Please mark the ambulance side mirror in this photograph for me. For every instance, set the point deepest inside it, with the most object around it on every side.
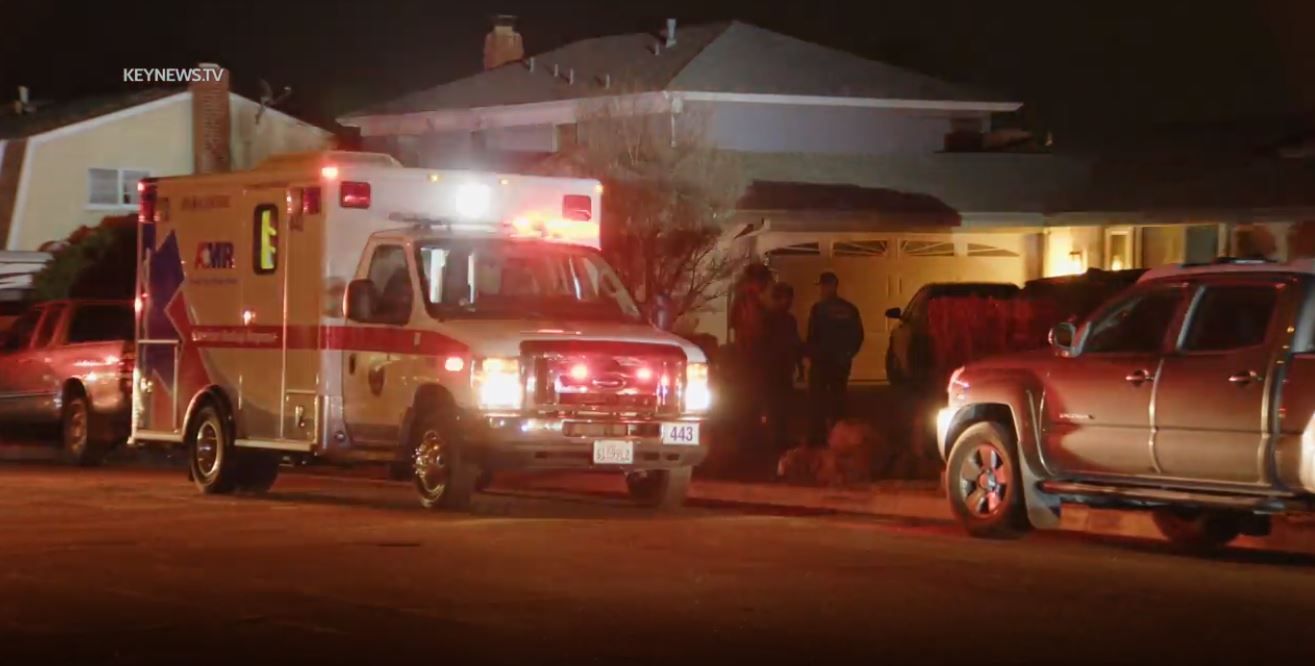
(360, 301)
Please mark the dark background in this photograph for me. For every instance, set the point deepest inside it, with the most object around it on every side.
(1087, 68)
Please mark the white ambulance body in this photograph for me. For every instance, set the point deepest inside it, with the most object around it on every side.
(452, 323)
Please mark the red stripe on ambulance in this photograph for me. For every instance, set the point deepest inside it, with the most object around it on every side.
(341, 338)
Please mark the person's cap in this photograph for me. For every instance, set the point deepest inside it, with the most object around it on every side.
(828, 278)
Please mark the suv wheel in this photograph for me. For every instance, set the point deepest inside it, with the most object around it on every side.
(985, 483)
(443, 479)
(81, 446)
(1197, 529)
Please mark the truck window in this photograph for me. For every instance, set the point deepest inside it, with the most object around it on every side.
(100, 323)
(521, 279)
(1137, 325)
(391, 283)
(20, 333)
(1231, 317)
(265, 239)
(46, 332)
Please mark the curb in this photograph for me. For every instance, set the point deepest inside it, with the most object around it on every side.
(918, 501)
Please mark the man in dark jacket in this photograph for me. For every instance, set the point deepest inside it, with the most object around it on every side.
(784, 356)
(835, 334)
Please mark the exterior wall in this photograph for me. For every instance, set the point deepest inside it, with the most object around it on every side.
(276, 133)
(11, 167)
(157, 140)
(816, 129)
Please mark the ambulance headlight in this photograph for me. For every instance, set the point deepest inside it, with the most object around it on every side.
(472, 200)
(698, 394)
(498, 384)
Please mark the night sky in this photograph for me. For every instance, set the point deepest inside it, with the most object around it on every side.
(1087, 68)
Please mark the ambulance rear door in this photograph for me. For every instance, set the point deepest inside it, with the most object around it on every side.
(263, 335)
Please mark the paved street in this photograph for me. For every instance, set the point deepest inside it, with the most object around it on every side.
(126, 566)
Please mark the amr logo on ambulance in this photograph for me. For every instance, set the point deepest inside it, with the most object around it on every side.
(448, 324)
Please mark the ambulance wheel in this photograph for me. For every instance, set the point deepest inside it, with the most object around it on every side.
(659, 488)
(212, 459)
(260, 469)
(443, 478)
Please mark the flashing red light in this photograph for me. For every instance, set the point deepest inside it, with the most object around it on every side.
(141, 187)
(578, 207)
(329, 172)
(354, 194)
(579, 372)
(454, 364)
(644, 374)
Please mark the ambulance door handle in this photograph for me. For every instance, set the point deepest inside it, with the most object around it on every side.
(351, 364)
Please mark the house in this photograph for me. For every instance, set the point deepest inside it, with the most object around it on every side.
(890, 178)
(68, 165)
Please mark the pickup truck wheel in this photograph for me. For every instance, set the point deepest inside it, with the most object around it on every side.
(443, 478)
(212, 459)
(78, 434)
(260, 469)
(985, 483)
(660, 488)
(1197, 529)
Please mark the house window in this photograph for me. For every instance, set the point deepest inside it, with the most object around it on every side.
(923, 248)
(867, 248)
(113, 187)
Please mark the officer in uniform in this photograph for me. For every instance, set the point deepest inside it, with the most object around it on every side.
(835, 334)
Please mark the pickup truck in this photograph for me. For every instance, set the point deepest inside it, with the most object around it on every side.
(1191, 395)
(69, 364)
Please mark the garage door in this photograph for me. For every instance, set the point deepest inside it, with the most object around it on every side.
(881, 272)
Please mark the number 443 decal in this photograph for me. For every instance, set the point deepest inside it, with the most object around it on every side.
(680, 434)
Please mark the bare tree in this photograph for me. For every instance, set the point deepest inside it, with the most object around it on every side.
(668, 194)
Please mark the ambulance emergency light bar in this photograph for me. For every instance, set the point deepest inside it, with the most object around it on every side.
(472, 204)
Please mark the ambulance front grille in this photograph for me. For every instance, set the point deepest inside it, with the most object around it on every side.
(606, 379)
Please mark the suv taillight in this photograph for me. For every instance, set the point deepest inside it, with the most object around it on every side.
(146, 200)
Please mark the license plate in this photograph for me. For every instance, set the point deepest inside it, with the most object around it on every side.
(680, 434)
(613, 452)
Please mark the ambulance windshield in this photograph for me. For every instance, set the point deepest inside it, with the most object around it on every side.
(503, 278)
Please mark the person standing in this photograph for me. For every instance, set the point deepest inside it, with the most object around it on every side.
(783, 362)
(746, 374)
(835, 334)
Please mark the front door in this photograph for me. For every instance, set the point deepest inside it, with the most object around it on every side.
(374, 383)
(1210, 415)
(1097, 404)
(261, 318)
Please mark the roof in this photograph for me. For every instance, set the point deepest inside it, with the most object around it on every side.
(963, 182)
(59, 114)
(727, 57)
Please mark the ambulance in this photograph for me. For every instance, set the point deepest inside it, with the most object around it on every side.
(338, 306)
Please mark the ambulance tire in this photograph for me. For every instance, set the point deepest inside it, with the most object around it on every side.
(443, 479)
(663, 489)
(260, 469)
(212, 459)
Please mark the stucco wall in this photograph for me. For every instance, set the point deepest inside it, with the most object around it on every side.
(817, 129)
(156, 138)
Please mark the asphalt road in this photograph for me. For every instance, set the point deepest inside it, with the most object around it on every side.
(127, 565)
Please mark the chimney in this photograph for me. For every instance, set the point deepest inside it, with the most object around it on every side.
(671, 32)
(22, 104)
(503, 43)
(211, 121)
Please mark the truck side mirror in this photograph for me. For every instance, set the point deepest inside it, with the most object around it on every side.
(359, 301)
(894, 313)
(1062, 336)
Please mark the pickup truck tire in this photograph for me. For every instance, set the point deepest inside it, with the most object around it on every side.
(984, 483)
(1197, 529)
(78, 432)
(212, 459)
(260, 469)
(660, 488)
(443, 478)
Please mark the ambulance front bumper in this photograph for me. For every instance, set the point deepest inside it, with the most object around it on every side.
(517, 442)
